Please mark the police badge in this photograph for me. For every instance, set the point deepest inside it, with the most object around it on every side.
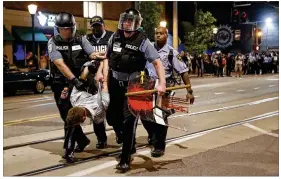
(50, 48)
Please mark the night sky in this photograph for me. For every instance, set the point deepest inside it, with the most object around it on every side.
(221, 10)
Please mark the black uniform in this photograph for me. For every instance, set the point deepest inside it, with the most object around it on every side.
(74, 60)
(100, 45)
(127, 62)
(125, 57)
(72, 51)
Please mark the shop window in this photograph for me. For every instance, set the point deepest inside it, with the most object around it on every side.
(91, 9)
(19, 52)
(237, 34)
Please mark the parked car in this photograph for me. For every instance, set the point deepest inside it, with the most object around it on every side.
(36, 80)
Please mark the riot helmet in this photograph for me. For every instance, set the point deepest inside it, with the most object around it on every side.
(65, 20)
(130, 20)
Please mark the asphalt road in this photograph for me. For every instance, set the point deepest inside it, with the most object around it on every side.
(237, 151)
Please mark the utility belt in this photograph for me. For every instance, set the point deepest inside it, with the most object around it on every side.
(121, 77)
(59, 79)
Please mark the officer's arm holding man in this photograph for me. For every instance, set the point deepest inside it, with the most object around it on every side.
(57, 59)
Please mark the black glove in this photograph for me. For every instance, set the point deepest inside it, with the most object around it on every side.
(79, 84)
(92, 66)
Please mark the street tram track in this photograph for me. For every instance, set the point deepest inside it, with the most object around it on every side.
(115, 153)
(171, 117)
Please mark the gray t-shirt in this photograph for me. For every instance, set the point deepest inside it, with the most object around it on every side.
(150, 53)
(177, 64)
(54, 54)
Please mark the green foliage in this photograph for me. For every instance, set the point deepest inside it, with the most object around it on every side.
(151, 14)
(198, 37)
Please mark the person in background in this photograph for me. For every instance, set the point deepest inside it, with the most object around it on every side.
(43, 60)
(228, 65)
(32, 61)
(238, 64)
(214, 61)
(189, 62)
(275, 62)
(6, 63)
(219, 65)
(200, 65)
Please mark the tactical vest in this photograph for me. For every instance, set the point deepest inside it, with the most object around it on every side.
(125, 54)
(100, 45)
(72, 54)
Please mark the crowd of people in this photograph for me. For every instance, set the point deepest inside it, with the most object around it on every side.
(220, 64)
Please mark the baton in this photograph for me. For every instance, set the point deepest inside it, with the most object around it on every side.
(155, 90)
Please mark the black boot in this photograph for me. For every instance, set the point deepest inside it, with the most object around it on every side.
(69, 156)
(101, 145)
(81, 148)
(124, 164)
(119, 139)
(157, 152)
(149, 140)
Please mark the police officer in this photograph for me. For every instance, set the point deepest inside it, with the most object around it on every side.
(171, 60)
(128, 51)
(99, 40)
(67, 54)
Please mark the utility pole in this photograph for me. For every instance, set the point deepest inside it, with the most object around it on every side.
(175, 25)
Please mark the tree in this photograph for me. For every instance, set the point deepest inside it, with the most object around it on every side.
(151, 14)
(198, 37)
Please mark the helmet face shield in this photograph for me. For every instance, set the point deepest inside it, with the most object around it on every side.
(129, 22)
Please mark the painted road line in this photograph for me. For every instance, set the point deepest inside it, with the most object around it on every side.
(177, 141)
(8, 123)
(260, 130)
(114, 162)
(26, 100)
(219, 93)
(271, 86)
(29, 101)
(256, 88)
(196, 96)
(38, 105)
(240, 90)
(226, 108)
(272, 79)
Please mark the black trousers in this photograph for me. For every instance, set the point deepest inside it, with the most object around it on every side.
(157, 132)
(74, 134)
(275, 67)
(114, 113)
(219, 71)
(228, 70)
(120, 117)
(200, 71)
(99, 130)
(215, 69)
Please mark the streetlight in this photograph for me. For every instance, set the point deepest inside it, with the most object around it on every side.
(32, 10)
(215, 30)
(268, 23)
(268, 20)
(163, 24)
